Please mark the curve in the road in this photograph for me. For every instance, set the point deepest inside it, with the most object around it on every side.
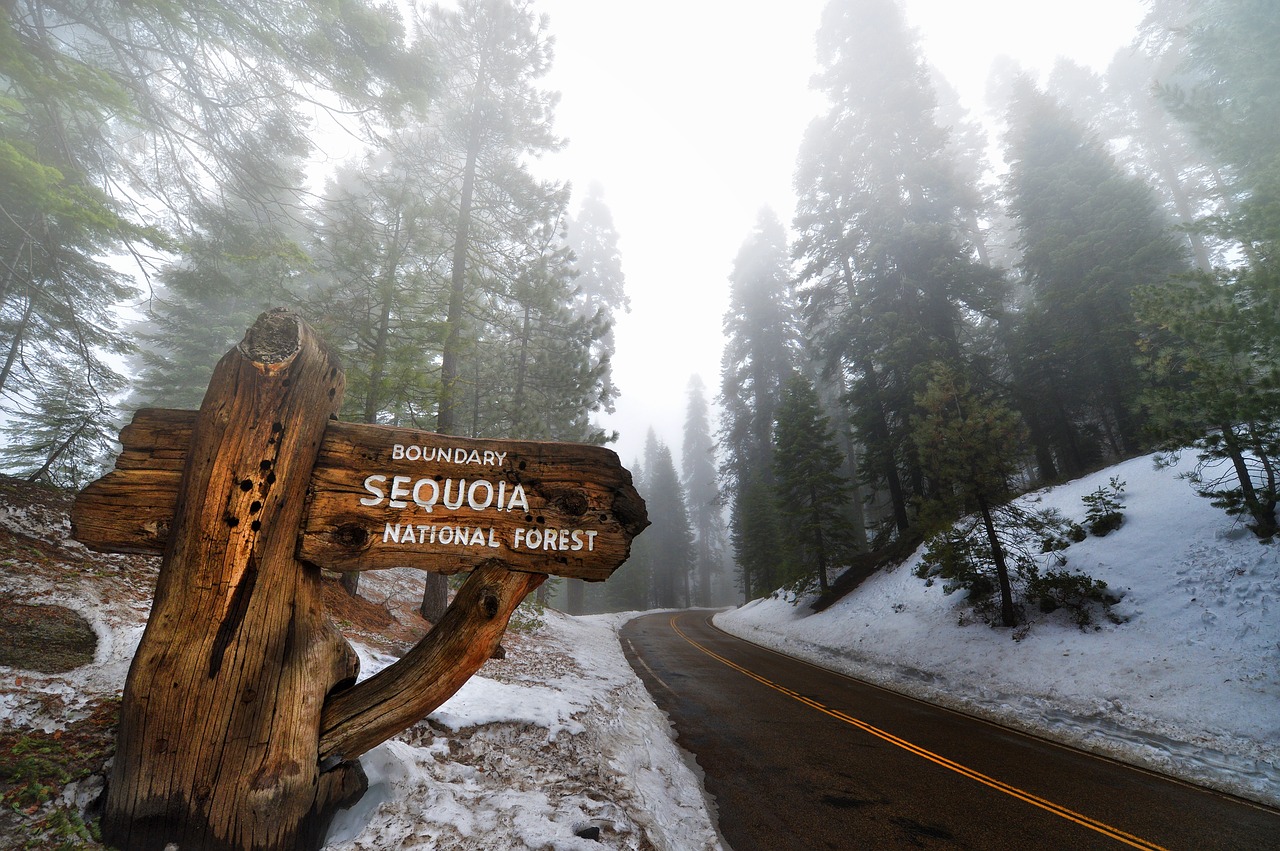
(1013, 791)
(784, 777)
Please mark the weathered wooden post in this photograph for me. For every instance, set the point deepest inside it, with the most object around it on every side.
(240, 724)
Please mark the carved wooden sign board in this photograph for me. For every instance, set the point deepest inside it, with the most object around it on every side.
(384, 497)
(242, 718)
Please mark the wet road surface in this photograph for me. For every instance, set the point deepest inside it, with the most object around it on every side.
(797, 757)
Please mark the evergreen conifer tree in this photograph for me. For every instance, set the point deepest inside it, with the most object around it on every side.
(698, 475)
(812, 493)
(889, 274)
(601, 283)
(1089, 234)
(967, 437)
(672, 546)
(759, 356)
(1213, 340)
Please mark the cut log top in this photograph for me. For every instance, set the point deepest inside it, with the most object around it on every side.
(388, 497)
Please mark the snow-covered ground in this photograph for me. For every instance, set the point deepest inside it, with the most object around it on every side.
(557, 738)
(1188, 685)
(562, 735)
(570, 739)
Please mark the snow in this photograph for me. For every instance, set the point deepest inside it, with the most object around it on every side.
(562, 734)
(558, 737)
(524, 764)
(1188, 684)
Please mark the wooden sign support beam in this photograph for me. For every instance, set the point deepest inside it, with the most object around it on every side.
(240, 723)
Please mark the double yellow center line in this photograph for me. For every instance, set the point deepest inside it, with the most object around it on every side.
(1013, 791)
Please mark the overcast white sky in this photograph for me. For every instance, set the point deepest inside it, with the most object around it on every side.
(690, 113)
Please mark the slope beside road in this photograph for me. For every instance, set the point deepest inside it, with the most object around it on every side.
(799, 757)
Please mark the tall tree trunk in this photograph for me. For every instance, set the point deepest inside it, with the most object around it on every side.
(819, 542)
(435, 596)
(1262, 511)
(881, 434)
(15, 345)
(705, 565)
(446, 419)
(378, 363)
(1008, 616)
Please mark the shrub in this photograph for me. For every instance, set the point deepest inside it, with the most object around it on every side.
(1103, 508)
(1075, 592)
(961, 555)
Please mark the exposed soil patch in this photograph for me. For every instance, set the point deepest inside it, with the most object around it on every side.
(36, 768)
(48, 639)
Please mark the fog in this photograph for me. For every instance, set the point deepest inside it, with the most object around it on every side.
(690, 116)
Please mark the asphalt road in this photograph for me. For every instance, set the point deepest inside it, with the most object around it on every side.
(797, 757)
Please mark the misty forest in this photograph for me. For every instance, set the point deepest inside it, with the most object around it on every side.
(957, 313)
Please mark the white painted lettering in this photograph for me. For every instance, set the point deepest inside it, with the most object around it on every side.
(378, 495)
(454, 506)
(426, 504)
(391, 533)
(475, 504)
(518, 499)
(399, 492)
(397, 452)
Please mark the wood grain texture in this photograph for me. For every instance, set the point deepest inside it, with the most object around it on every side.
(217, 741)
(397, 697)
(239, 721)
(568, 488)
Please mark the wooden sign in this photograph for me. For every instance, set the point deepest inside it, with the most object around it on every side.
(384, 497)
(242, 719)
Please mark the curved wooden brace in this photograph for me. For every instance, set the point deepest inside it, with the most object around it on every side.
(360, 718)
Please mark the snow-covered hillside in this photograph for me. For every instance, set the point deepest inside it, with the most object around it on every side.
(1188, 685)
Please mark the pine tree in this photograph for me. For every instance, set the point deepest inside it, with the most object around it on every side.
(59, 333)
(672, 545)
(630, 588)
(698, 476)
(759, 356)
(1123, 108)
(1212, 340)
(967, 436)
(888, 273)
(377, 288)
(812, 494)
(1212, 352)
(236, 262)
(1089, 234)
(601, 283)
(491, 117)
(65, 430)
(1225, 93)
